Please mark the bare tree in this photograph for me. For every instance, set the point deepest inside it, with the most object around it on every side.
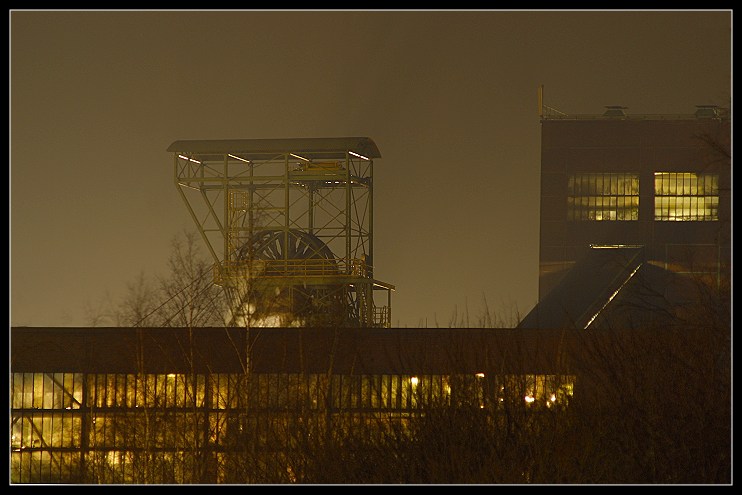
(185, 296)
(191, 298)
(485, 317)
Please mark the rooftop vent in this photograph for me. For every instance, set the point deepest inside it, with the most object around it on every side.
(707, 111)
(614, 111)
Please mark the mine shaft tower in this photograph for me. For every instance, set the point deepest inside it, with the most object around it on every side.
(289, 224)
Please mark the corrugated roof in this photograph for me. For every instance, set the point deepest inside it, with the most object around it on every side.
(323, 148)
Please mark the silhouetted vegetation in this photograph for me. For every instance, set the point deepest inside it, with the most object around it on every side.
(650, 406)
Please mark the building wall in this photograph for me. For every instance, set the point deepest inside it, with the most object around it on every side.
(634, 146)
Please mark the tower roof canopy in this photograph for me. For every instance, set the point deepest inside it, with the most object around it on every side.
(320, 148)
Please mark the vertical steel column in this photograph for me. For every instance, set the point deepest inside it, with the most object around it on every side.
(388, 322)
(227, 221)
(370, 257)
(287, 223)
(251, 200)
(84, 426)
(347, 209)
(310, 186)
(370, 183)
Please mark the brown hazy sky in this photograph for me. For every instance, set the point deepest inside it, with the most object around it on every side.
(449, 98)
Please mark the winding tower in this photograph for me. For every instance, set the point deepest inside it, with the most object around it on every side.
(289, 224)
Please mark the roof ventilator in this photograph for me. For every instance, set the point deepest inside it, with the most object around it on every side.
(614, 111)
(707, 111)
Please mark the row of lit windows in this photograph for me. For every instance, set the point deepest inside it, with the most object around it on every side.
(65, 390)
(118, 466)
(679, 196)
(388, 391)
(47, 391)
(171, 390)
(104, 467)
(44, 467)
(603, 184)
(121, 425)
(671, 208)
(46, 430)
(156, 430)
(685, 184)
(126, 413)
(114, 418)
(603, 208)
(166, 466)
(391, 392)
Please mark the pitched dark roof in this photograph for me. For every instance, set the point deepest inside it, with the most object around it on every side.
(592, 283)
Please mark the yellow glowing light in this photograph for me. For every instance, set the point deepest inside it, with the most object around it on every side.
(612, 296)
(238, 158)
(300, 157)
(171, 375)
(479, 375)
(359, 156)
(553, 398)
(414, 381)
(529, 398)
(614, 246)
(189, 159)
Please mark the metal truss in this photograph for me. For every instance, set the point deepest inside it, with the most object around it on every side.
(312, 199)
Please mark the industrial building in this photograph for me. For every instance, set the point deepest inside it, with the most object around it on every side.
(232, 405)
(635, 214)
(100, 405)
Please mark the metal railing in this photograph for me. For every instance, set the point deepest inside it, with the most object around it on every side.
(311, 267)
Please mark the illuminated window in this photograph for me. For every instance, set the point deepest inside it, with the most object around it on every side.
(686, 196)
(539, 390)
(599, 196)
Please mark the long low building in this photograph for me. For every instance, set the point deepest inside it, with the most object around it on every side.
(180, 405)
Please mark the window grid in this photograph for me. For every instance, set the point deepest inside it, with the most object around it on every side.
(124, 415)
(603, 196)
(686, 196)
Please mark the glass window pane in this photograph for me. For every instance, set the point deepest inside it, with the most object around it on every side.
(603, 196)
(688, 195)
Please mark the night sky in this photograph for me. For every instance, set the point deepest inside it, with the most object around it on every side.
(450, 99)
